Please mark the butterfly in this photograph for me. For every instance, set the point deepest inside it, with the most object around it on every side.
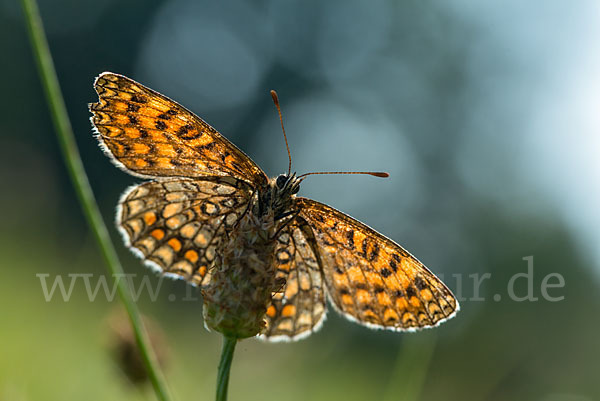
(202, 186)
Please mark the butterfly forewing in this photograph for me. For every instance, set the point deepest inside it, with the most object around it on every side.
(370, 278)
(177, 224)
(299, 308)
(150, 135)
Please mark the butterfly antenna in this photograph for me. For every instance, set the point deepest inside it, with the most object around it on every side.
(373, 173)
(276, 101)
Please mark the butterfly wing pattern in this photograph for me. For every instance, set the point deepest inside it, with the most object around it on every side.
(150, 135)
(370, 278)
(202, 186)
(299, 308)
(176, 225)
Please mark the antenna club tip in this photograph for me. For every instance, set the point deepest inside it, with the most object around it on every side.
(381, 174)
(274, 96)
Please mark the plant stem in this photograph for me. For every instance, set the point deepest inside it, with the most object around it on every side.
(224, 367)
(84, 192)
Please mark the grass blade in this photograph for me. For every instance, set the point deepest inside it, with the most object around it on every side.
(84, 192)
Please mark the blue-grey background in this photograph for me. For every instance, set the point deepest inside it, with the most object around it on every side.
(485, 114)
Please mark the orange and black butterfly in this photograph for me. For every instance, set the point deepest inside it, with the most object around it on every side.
(202, 184)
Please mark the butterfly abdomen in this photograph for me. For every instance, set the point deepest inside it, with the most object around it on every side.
(243, 278)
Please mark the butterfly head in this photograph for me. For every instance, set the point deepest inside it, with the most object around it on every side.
(287, 183)
(279, 194)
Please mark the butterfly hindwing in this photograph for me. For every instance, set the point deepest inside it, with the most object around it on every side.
(370, 278)
(176, 225)
(299, 308)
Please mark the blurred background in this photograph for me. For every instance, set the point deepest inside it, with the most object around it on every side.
(485, 114)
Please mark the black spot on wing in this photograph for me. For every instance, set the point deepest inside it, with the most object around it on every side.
(138, 99)
(350, 238)
(394, 265)
(133, 119)
(133, 107)
(374, 254)
(160, 125)
(420, 283)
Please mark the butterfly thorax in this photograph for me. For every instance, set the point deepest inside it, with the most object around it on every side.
(277, 196)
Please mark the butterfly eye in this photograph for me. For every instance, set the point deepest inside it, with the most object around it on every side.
(281, 180)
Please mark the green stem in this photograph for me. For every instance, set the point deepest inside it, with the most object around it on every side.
(84, 192)
(224, 367)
